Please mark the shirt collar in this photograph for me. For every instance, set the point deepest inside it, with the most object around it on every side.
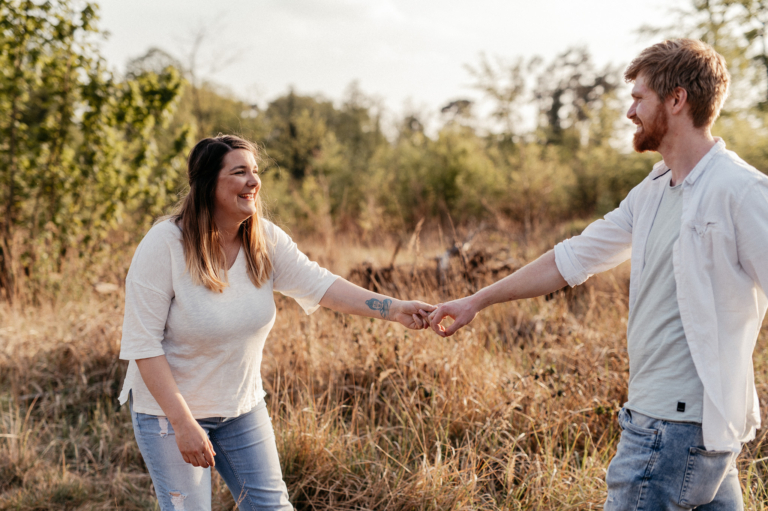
(661, 168)
(698, 170)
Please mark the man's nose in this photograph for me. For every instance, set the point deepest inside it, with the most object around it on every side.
(631, 112)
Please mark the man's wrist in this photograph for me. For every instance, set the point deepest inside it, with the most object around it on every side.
(476, 301)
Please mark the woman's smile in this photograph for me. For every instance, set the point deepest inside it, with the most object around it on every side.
(237, 188)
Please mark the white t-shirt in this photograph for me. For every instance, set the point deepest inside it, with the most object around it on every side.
(663, 382)
(213, 341)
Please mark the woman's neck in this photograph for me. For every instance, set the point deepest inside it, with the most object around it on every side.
(228, 231)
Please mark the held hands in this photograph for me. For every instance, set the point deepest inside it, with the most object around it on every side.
(193, 443)
(462, 311)
(412, 314)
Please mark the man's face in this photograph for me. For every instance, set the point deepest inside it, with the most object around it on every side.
(649, 115)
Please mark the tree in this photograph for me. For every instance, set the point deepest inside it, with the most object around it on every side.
(297, 127)
(78, 151)
(505, 85)
(569, 92)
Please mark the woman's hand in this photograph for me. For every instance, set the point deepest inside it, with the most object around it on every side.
(412, 314)
(194, 444)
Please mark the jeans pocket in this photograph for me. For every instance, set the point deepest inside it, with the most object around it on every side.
(625, 421)
(704, 473)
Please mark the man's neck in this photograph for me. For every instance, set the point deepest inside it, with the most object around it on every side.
(682, 151)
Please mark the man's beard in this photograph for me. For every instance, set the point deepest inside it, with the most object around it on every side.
(651, 135)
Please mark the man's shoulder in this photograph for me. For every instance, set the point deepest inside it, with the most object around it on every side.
(728, 181)
(731, 170)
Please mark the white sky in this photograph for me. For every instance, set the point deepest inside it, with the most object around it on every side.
(409, 53)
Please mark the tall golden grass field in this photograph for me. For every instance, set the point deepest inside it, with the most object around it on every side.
(515, 411)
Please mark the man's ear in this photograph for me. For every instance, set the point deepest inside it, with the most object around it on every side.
(678, 99)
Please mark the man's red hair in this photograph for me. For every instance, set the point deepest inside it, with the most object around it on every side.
(693, 65)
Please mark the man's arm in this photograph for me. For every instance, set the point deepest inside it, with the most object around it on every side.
(534, 279)
(603, 245)
(752, 234)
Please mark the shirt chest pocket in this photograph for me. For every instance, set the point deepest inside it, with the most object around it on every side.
(712, 241)
(703, 227)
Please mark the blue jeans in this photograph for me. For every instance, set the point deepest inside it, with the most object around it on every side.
(246, 458)
(662, 465)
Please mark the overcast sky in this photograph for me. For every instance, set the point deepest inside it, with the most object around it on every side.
(409, 53)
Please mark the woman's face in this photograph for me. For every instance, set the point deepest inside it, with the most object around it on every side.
(236, 188)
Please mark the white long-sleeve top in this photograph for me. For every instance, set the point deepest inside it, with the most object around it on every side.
(721, 270)
(213, 341)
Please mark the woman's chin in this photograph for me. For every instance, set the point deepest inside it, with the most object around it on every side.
(249, 212)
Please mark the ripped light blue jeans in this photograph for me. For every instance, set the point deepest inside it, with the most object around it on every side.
(246, 458)
(662, 465)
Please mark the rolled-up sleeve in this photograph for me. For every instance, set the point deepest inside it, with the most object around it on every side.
(603, 245)
(294, 275)
(148, 295)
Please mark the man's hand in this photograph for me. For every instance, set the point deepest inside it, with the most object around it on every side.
(413, 314)
(463, 311)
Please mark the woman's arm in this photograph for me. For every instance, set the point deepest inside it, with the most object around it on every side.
(191, 439)
(345, 297)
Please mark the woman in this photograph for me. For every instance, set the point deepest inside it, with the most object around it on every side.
(198, 307)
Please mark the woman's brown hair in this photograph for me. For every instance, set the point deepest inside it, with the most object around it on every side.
(203, 252)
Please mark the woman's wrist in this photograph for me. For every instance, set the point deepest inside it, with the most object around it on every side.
(180, 414)
(395, 307)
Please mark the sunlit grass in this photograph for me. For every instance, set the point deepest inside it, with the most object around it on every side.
(517, 411)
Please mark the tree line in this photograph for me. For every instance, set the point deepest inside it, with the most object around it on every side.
(88, 159)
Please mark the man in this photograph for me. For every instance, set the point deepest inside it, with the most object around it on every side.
(696, 230)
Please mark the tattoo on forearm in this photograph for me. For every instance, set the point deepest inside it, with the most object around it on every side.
(378, 305)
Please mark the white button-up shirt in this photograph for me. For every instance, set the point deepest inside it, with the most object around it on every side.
(721, 271)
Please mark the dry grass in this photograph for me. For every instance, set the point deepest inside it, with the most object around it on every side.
(516, 411)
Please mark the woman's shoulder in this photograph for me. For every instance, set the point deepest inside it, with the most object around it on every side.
(158, 252)
(273, 232)
(168, 224)
(165, 229)
(162, 239)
